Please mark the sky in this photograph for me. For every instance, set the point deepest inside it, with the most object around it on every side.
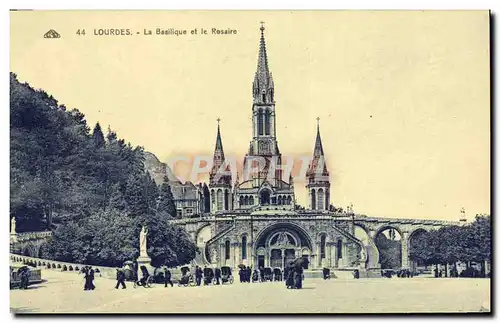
(403, 97)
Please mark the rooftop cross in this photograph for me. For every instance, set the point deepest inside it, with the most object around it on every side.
(218, 121)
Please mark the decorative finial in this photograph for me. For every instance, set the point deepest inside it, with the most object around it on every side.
(218, 121)
(317, 120)
(262, 26)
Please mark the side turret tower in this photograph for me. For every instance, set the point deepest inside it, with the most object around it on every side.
(220, 178)
(318, 178)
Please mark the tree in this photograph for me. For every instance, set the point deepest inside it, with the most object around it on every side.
(98, 136)
(481, 230)
(166, 200)
(111, 136)
(115, 238)
(93, 193)
(151, 191)
(168, 244)
(135, 195)
(389, 251)
(116, 200)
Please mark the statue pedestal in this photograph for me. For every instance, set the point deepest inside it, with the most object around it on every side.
(144, 260)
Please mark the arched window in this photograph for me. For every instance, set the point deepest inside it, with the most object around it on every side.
(321, 199)
(313, 199)
(244, 247)
(280, 200)
(260, 122)
(339, 249)
(267, 122)
(246, 200)
(228, 250)
(250, 200)
(219, 200)
(226, 200)
(242, 200)
(322, 246)
(289, 200)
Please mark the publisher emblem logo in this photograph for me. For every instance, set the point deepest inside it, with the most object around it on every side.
(52, 34)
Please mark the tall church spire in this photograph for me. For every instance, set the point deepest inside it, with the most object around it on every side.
(263, 84)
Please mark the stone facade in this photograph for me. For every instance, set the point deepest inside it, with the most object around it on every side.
(255, 222)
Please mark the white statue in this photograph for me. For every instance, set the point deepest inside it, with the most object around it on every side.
(214, 256)
(143, 241)
(13, 225)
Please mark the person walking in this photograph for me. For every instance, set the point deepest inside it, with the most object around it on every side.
(217, 276)
(241, 273)
(198, 275)
(298, 276)
(248, 274)
(89, 278)
(168, 278)
(120, 278)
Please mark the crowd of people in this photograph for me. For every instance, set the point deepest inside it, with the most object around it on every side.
(293, 275)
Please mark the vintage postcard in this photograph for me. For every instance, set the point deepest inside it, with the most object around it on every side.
(333, 162)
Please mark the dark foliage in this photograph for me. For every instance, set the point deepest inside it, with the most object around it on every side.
(91, 190)
(451, 244)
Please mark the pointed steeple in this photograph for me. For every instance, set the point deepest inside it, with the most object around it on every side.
(219, 171)
(317, 169)
(218, 142)
(318, 146)
(263, 84)
(218, 151)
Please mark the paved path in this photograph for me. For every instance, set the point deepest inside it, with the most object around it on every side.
(63, 293)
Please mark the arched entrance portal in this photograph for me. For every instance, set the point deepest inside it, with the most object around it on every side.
(265, 197)
(282, 246)
(278, 245)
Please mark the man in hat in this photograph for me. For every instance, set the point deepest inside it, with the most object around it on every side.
(120, 278)
(168, 278)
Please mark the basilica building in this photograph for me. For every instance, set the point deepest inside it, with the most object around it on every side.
(253, 219)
